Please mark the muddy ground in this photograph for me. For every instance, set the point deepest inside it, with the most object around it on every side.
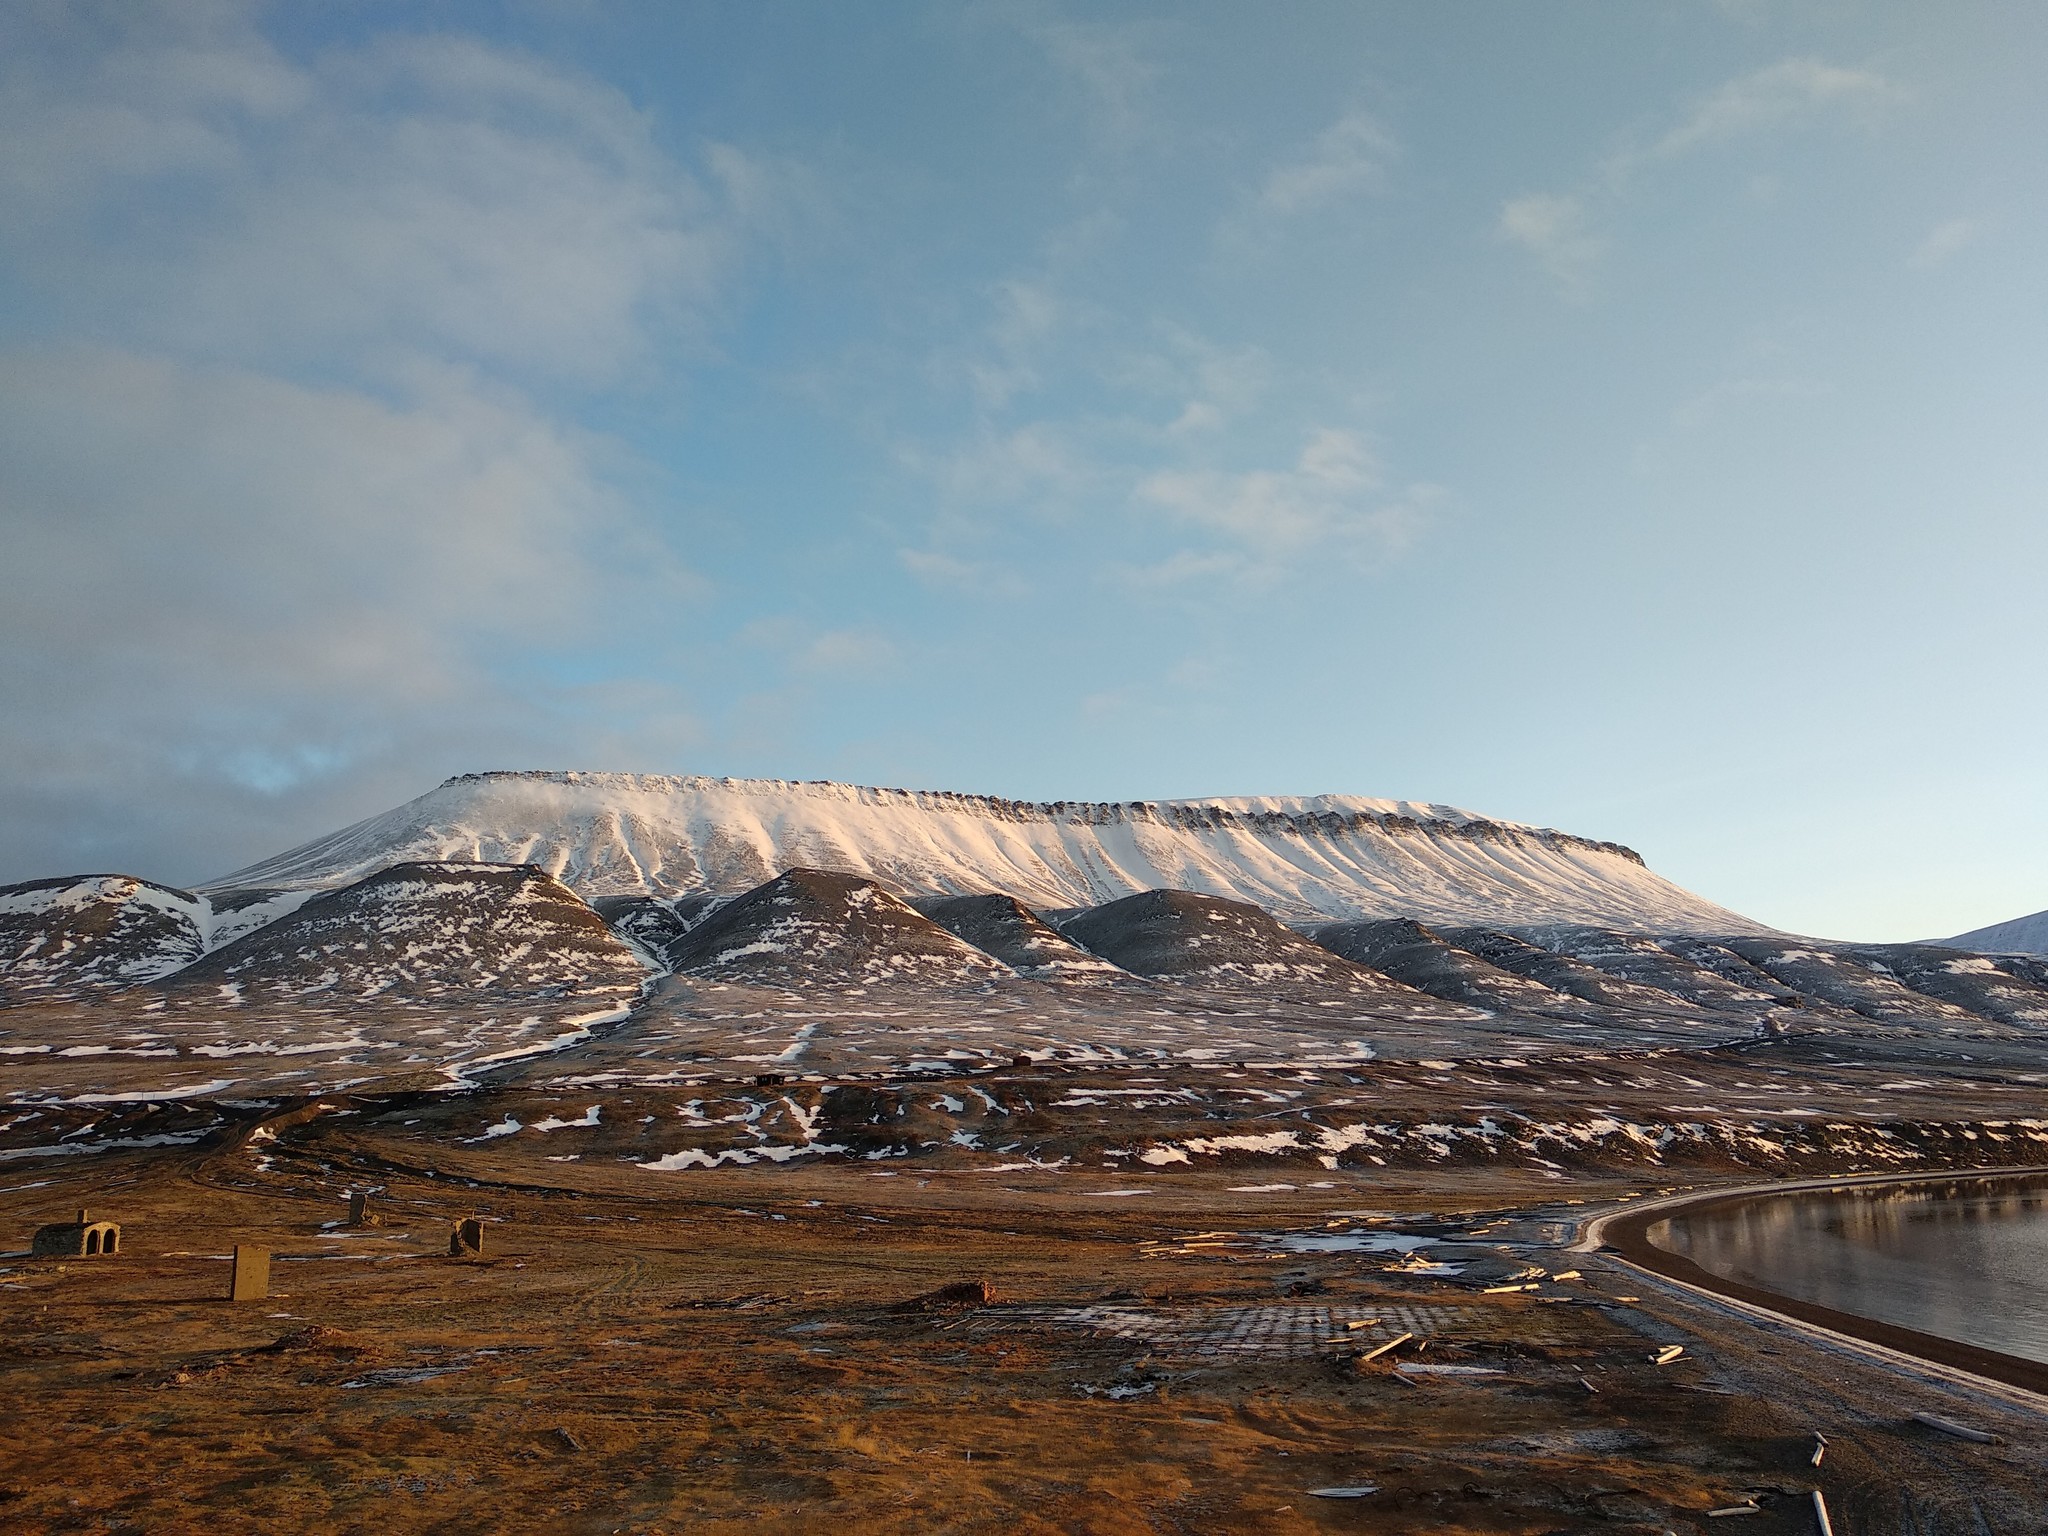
(726, 1349)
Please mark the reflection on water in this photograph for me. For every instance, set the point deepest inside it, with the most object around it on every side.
(1964, 1259)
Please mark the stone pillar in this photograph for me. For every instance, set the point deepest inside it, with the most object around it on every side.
(251, 1280)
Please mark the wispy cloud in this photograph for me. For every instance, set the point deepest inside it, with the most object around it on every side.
(1110, 64)
(1329, 505)
(1350, 157)
(952, 573)
(1782, 93)
(1562, 229)
(1943, 242)
(1554, 227)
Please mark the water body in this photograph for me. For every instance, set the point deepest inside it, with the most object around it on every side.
(1963, 1259)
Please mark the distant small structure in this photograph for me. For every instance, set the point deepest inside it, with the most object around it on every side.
(359, 1212)
(251, 1278)
(80, 1239)
(961, 1293)
(769, 1080)
(467, 1240)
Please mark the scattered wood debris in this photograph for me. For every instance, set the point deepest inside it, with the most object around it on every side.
(1951, 1427)
(1667, 1354)
(1394, 1343)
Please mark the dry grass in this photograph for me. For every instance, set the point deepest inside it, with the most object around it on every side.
(724, 1351)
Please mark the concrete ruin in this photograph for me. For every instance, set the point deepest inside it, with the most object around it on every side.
(80, 1239)
(467, 1240)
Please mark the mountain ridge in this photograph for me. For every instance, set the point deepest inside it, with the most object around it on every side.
(1323, 857)
(2017, 936)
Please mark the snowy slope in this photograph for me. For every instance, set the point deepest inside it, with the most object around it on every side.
(810, 924)
(1331, 857)
(96, 930)
(430, 930)
(2021, 936)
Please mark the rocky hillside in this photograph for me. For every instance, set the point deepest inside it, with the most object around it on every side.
(1186, 936)
(89, 931)
(430, 930)
(1007, 929)
(815, 925)
(1410, 953)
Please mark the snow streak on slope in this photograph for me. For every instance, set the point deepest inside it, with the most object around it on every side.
(2021, 936)
(1329, 856)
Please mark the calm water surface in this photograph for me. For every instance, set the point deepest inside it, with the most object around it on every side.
(1963, 1259)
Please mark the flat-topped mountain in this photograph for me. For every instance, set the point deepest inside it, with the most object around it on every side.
(1332, 857)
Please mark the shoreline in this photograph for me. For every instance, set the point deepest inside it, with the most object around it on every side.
(1624, 1233)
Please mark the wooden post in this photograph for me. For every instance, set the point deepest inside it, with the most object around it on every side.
(251, 1281)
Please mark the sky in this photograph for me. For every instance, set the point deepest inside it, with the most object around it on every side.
(1625, 418)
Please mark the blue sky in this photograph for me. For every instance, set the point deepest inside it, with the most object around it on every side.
(1624, 418)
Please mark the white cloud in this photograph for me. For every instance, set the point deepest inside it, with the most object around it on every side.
(224, 580)
(240, 592)
(1327, 506)
(426, 195)
(1035, 464)
(1553, 227)
(861, 652)
(1562, 229)
(1780, 93)
(950, 573)
(1351, 156)
(1944, 241)
(1736, 395)
(809, 654)
(1220, 385)
(1109, 63)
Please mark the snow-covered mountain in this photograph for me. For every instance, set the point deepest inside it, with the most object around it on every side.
(1328, 857)
(2020, 936)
